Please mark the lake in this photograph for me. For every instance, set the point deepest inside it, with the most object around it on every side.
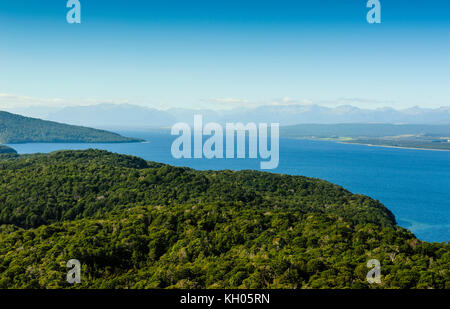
(414, 184)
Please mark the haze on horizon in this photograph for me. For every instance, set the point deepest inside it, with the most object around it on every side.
(225, 54)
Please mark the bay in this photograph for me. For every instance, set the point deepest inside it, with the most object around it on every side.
(413, 183)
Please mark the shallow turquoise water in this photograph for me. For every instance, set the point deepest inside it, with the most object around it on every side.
(413, 184)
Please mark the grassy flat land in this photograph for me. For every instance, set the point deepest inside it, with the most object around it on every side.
(392, 135)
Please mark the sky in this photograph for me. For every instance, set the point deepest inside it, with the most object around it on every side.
(225, 54)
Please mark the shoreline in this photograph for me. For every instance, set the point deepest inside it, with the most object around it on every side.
(388, 146)
(370, 145)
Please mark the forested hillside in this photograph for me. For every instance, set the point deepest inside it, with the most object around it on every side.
(139, 224)
(7, 150)
(18, 129)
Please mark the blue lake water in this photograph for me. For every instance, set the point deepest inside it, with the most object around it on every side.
(413, 184)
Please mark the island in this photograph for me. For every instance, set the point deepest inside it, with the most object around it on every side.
(16, 129)
(7, 150)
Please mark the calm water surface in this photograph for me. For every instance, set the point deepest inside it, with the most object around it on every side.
(413, 184)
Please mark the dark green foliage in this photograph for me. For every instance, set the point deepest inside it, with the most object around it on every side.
(43, 189)
(139, 224)
(18, 129)
(7, 150)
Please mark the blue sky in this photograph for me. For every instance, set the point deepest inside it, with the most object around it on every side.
(222, 54)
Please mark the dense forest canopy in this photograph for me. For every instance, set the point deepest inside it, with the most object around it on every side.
(19, 129)
(139, 224)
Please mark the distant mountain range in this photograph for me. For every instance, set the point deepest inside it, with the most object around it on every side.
(132, 116)
(19, 129)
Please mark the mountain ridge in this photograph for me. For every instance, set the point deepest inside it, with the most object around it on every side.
(128, 115)
(20, 129)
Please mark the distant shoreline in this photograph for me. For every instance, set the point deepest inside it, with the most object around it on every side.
(136, 141)
(370, 145)
(387, 146)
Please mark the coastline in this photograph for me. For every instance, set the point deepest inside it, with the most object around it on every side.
(370, 145)
(387, 146)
